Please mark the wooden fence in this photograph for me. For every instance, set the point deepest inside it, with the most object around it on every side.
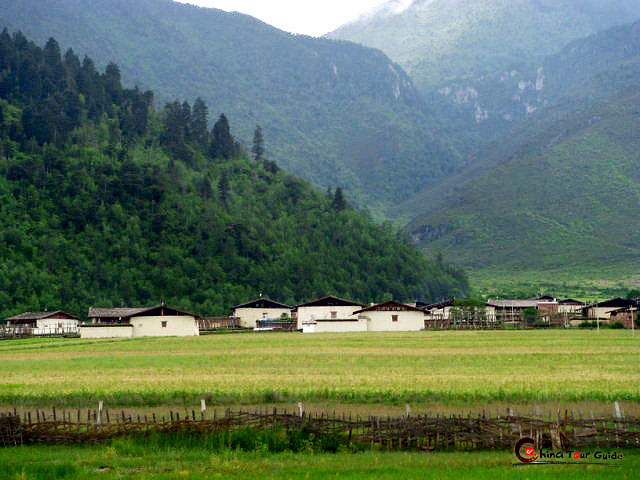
(416, 432)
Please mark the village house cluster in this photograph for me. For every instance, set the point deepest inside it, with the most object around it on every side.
(327, 314)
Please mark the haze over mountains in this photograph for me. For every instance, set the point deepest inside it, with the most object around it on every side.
(482, 57)
(515, 147)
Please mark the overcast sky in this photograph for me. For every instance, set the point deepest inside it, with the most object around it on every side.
(311, 17)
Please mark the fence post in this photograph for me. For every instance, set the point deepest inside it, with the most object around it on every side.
(203, 408)
(301, 409)
(100, 405)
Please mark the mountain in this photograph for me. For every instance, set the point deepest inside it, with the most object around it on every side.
(335, 113)
(583, 73)
(478, 61)
(105, 201)
(562, 189)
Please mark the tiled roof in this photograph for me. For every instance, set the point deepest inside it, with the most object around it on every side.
(39, 316)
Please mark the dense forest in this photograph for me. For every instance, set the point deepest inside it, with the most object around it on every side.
(337, 114)
(105, 201)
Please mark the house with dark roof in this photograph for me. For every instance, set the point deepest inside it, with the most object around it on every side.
(157, 321)
(44, 323)
(628, 316)
(602, 310)
(328, 308)
(392, 316)
(260, 309)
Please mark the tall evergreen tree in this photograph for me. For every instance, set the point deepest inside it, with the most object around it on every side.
(258, 145)
(339, 203)
(200, 122)
(222, 143)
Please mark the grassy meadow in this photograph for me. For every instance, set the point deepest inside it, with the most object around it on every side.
(580, 283)
(128, 459)
(445, 368)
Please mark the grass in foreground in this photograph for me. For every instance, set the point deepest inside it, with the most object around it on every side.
(127, 459)
(390, 368)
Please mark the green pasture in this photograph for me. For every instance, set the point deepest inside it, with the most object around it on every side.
(473, 367)
(583, 283)
(124, 459)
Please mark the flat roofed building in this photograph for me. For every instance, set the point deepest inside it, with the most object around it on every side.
(570, 306)
(260, 309)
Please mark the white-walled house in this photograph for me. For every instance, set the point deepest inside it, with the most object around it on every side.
(158, 321)
(325, 310)
(392, 316)
(260, 309)
(44, 323)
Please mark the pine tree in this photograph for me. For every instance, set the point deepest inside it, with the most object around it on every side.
(339, 203)
(199, 122)
(112, 83)
(222, 143)
(258, 145)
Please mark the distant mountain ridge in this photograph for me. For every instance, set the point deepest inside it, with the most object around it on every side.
(336, 113)
(563, 187)
(482, 57)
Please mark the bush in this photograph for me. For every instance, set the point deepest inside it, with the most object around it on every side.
(588, 325)
(617, 326)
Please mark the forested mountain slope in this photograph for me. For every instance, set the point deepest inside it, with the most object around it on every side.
(479, 62)
(565, 192)
(105, 202)
(338, 114)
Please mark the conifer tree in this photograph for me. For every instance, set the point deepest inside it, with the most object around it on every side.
(339, 203)
(258, 145)
(222, 143)
(199, 122)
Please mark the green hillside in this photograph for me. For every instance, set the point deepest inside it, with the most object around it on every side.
(480, 62)
(105, 202)
(337, 114)
(567, 198)
(438, 41)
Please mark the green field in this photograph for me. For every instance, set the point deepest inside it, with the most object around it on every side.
(457, 368)
(124, 459)
(586, 284)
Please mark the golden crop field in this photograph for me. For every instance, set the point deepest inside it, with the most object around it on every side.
(475, 366)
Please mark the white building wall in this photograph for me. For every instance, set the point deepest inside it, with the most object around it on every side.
(249, 316)
(49, 326)
(382, 321)
(307, 314)
(176, 326)
(106, 332)
(359, 325)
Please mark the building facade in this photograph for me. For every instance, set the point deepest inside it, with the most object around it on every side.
(44, 323)
(325, 308)
(158, 321)
(260, 309)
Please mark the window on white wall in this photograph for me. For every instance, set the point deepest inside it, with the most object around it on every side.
(164, 324)
(394, 318)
